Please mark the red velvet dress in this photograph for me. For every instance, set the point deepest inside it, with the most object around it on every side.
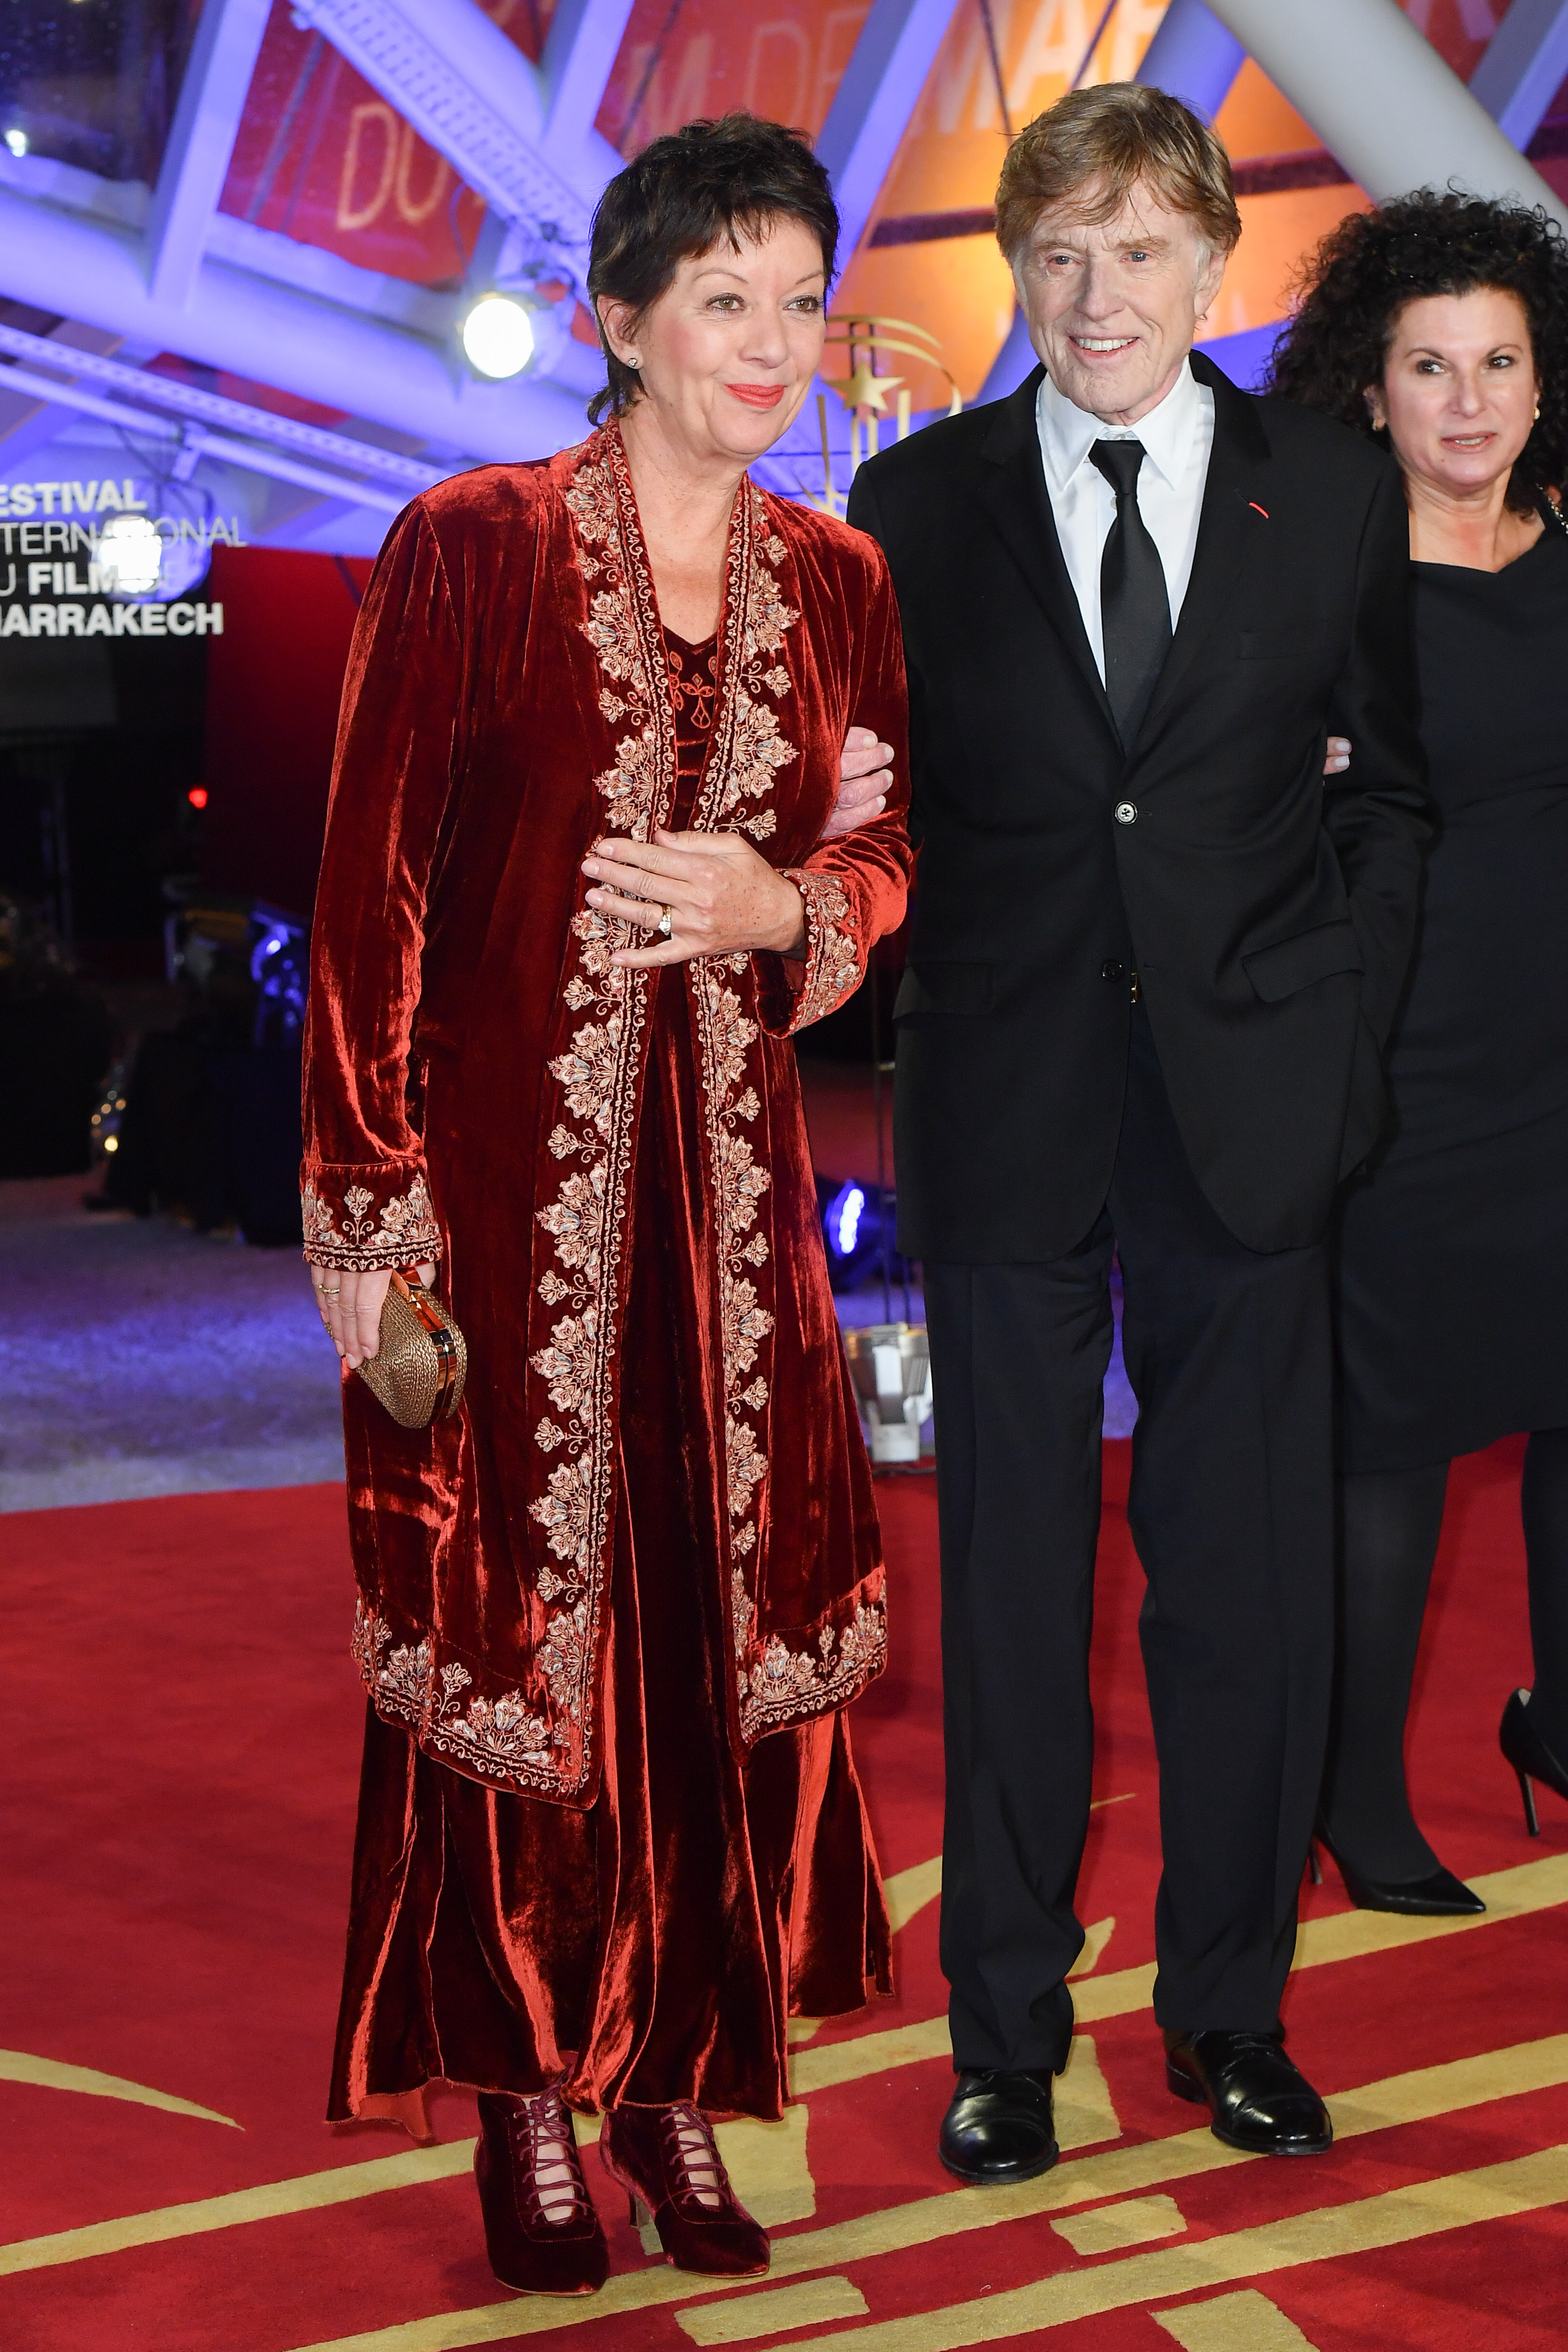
(610, 1829)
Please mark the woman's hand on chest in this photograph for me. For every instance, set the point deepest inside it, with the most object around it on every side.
(719, 896)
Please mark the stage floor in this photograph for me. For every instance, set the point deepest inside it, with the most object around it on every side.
(177, 1768)
(139, 1358)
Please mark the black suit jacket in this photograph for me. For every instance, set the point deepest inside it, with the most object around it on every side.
(1268, 912)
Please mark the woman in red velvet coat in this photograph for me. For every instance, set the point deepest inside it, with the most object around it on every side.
(573, 909)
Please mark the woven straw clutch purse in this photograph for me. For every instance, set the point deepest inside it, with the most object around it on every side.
(418, 1371)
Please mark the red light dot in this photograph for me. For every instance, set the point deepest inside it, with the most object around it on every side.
(197, 796)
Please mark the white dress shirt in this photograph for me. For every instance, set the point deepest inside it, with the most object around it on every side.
(1177, 436)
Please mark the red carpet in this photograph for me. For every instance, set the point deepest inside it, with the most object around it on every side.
(181, 1735)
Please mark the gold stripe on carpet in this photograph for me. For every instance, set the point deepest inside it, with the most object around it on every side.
(1345, 1935)
(1509, 1894)
(1112, 2228)
(909, 1891)
(1246, 2321)
(1493, 2192)
(304, 2194)
(1416, 2097)
(1399, 2099)
(52, 2074)
(770, 2313)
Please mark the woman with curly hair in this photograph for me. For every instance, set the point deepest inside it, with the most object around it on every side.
(1438, 323)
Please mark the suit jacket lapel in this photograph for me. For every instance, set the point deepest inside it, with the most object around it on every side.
(1013, 493)
(1228, 527)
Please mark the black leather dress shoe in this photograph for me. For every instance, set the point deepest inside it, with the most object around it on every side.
(1256, 2099)
(998, 2128)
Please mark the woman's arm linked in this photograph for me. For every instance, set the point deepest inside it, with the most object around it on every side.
(819, 918)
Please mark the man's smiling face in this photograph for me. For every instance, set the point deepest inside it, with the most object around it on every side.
(1113, 305)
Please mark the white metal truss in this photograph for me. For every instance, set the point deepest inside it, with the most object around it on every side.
(318, 346)
(193, 441)
(882, 82)
(1382, 99)
(177, 274)
(214, 409)
(467, 90)
(200, 141)
(1523, 68)
(579, 59)
(1194, 56)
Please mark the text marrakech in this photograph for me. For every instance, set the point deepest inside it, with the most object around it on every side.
(112, 621)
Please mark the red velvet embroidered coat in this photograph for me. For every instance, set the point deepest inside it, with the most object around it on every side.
(474, 1090)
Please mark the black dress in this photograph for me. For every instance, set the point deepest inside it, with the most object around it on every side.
(1454, 1246)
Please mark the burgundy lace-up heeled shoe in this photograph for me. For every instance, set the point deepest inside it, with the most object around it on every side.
(666, 2161)
(542, 2232)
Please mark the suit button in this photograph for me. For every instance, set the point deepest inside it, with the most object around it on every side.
(1114, 971)
(1126, 811)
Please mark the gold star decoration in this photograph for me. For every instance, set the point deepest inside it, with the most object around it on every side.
(865, 392)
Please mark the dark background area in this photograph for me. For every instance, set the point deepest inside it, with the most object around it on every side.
(123, 787)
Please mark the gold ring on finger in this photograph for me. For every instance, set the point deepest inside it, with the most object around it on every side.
(666, 922)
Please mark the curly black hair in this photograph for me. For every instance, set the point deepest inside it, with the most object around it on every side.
(1351, 293)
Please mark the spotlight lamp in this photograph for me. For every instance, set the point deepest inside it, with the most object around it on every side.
(497, 337)
(130, 555)
(16, 140)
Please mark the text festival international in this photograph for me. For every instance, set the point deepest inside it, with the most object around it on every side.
(42, 592)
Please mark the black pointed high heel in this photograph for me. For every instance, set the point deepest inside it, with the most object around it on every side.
(1524, 1749)
(1440, 1896)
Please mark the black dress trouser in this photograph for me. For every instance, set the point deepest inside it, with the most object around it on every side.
(1227, 1351)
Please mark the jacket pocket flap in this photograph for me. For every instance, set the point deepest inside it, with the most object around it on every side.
(1279, 970)
(938, 987)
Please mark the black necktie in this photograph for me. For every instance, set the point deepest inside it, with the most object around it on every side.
(1134, 607)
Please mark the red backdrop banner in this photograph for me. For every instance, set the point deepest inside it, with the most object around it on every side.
(274, 678)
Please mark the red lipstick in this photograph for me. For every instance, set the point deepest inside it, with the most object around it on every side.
(757, 395)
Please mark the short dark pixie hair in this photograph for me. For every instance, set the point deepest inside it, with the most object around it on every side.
(683, 196)
(1355, 288)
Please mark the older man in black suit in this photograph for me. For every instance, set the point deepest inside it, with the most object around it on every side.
(1155, 956)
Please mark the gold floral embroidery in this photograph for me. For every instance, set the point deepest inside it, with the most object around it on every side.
(746, 1324)
(833, 969)
(742, 1613)
(566, 1512)
(785, 1683)
(746, 1461)
(731, 1034)
(576, 1219)
(594, 1059)
(563, 1659)
(748, 750)
(501, 1739)
(757, 746)
(405, 1232)
(596, 1066)
(567, 1366)
(591, 1071)
(760, 747)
